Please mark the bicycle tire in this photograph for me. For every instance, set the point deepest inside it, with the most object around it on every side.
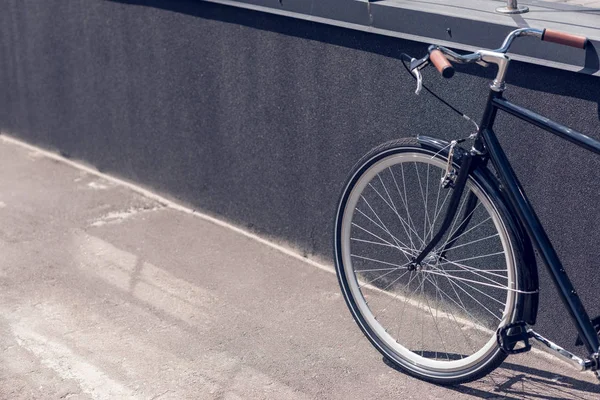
(368, 281)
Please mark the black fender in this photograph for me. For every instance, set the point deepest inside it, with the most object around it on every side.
(527, 271)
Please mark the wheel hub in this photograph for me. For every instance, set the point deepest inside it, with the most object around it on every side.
(432, 258)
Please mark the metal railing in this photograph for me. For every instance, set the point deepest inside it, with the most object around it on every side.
(512, 8)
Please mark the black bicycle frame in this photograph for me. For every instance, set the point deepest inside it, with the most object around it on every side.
(488, 142)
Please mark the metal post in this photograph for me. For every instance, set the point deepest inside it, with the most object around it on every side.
(512, 8)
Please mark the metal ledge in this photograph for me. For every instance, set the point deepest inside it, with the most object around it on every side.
(461, 24)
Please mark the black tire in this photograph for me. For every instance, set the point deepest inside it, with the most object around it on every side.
(367, 281)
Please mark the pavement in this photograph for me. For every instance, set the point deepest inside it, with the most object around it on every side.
(108, 291)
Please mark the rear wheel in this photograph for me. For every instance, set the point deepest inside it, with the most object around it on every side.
(437, 322)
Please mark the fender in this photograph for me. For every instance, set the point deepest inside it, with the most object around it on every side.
(527, 266)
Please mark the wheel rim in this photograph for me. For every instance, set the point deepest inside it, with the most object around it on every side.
(455, 301)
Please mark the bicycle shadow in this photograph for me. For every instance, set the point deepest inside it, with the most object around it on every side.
(514, 381)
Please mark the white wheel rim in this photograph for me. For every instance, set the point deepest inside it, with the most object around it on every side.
(411, 359)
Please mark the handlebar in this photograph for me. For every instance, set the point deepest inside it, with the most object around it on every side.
(441, 57)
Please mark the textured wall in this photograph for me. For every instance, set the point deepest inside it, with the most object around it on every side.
(258, 118)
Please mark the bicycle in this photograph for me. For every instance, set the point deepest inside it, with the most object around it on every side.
(434, 249)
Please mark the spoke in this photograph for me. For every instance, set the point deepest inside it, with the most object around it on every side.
(379, 261)
(458, 326)
(437, 328)
(474, 257)
(422, 317)
(461, 306)
(474, 241)
(436, 216)
(448, 309)
(426, 204)
(406, 300)
(437, 201)
(473, 270)
(464, 200)
(466, 218)
(379, 277)
(406, 203)
(452, 232)
(383, 228)
(455, 292)
(392, 208)
(469, 294)
(484, 307)
(394, 281)
(410, 279)
(405, 206)
(395, 295)
(371, 242)
(474, 288)
(468, 280)
(424, 201)
(377, 269)
(372, 234)
(398, 242)
(437, 310)
(402, 222)
(486, 271)
(470, 229)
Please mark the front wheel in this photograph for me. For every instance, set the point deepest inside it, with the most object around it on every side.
(438, 321)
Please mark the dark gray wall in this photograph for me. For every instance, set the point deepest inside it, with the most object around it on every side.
(257, 118)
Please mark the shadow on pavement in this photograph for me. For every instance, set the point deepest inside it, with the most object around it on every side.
(514, 381)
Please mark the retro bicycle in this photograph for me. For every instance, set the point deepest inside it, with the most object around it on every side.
(434, 248)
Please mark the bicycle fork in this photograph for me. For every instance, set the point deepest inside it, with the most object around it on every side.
(458, 187)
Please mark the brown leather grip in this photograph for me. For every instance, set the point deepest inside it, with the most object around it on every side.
(441, 63)
(567, 39)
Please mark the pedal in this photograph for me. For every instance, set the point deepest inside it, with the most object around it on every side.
(510, 335)
(596, 323)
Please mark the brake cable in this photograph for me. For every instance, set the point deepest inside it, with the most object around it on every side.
(406, 56)
(447, 178)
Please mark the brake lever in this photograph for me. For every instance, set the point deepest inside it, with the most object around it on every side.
(417, 73)
(415, 69)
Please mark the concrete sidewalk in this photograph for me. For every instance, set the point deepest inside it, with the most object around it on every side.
(109, 294)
